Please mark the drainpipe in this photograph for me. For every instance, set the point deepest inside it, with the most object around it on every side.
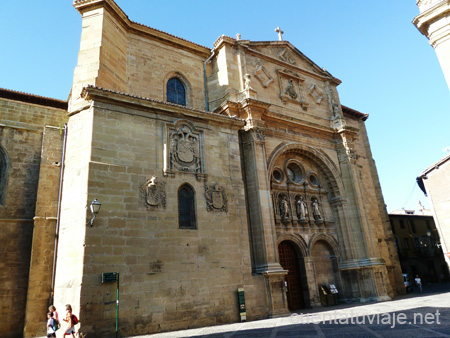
(204, 78)
(58, 216)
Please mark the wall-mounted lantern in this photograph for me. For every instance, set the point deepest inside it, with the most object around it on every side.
(95, 209)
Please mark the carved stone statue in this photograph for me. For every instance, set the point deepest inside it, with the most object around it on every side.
(284, 208)
(290, 90)
(316, 212)
(247, 80)
(302, 209)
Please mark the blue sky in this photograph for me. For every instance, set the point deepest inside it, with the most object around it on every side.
(387, 67)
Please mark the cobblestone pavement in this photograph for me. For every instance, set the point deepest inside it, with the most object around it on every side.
(411, 315)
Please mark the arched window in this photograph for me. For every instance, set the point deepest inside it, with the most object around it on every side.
(186, 208)
(3, 174)
(176, 93)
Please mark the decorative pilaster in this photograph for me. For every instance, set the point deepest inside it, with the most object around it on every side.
(276, 293)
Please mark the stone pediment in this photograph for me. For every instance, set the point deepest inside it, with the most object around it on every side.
(286, 55)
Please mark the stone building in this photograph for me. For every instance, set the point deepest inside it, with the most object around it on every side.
(434, 22)
(435, 183)
(30, 165)
(220, 169)
(418, 244)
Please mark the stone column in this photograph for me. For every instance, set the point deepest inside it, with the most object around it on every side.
(312, 283)
(360, 256)
(259, 205)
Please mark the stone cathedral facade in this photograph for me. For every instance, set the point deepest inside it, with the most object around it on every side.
(220, 169)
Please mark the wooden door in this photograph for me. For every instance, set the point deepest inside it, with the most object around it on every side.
(289, 261)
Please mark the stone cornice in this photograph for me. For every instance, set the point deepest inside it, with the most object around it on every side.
(299, 124)
(105, 95)
(432, 14)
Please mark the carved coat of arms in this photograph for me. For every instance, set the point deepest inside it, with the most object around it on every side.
(154, 192)
(216, 198)
(185, 149)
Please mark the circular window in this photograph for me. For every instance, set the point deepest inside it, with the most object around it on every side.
(314, 179)
(277, 175)
(294, 172)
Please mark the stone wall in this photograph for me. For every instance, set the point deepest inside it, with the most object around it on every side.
(170, 278)
(45, 235)
(21, 132)
(437, 185)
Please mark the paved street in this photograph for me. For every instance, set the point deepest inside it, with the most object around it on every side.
(411, 315)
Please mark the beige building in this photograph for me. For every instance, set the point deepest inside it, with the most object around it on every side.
(418, 244)
(217, 170)
(435, 183)
(434, 22)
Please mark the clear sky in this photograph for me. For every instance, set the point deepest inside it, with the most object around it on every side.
(387, 67)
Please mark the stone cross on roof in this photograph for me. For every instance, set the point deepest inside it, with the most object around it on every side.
(280, 33)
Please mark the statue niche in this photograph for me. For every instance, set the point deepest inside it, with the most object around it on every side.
(291, 87)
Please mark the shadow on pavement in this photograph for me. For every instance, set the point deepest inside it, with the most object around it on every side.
(419, 322)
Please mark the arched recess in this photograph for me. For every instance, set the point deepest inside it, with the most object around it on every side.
(183, 79)
(324, 252)
(326, 166)
(330, 240)
(291, 254)
(4, 166)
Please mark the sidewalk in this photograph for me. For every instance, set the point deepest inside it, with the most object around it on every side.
(350, 320)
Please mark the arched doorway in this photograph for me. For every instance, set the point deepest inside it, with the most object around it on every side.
(289, 261)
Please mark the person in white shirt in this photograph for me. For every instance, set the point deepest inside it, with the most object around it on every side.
(50, 332)
(419, 283)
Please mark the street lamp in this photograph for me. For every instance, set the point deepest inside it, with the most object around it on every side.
(95, 209)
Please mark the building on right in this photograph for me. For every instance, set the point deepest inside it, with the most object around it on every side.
(434, 22)
(418, 246)
(435, 183)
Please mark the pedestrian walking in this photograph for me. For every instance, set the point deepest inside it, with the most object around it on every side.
(71, 321)
(52, 309)
(419, 282)
(50, 325)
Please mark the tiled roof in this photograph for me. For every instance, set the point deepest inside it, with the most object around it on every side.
(31, 98)
(354, 113)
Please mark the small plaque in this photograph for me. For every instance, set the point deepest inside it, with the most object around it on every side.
(109, 277)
